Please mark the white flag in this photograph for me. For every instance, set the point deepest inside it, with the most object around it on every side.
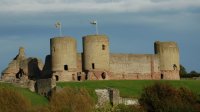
(58, 24)
(93, 22)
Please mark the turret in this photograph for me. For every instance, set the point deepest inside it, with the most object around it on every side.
(96, 56)
(169, 59)
(63, 58)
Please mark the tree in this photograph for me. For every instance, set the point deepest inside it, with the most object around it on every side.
(183, 71)
(194, 74)
(162, 97)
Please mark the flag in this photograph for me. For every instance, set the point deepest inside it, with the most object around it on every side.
(58, 24)
(93, 22)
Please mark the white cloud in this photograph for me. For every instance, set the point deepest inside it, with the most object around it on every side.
(90, 6)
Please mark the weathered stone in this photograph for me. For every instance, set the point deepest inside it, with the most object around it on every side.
(112, 96)
(103, 97)
(44, 86)
(96, 62)
(31, 85)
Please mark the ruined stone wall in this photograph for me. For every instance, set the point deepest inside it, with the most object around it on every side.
(134, 66)
(112, 96)
(32, 67)
(46, 72)
(79, 62)
(44, 86)
(21, 66)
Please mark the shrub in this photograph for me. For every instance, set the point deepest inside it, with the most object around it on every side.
(12, 101)
(119, 108)
(162, 97)
(40, 109)
(71, 100)
(125, 108)
(105, 108)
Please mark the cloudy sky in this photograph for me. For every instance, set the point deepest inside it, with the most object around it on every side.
(132, 25)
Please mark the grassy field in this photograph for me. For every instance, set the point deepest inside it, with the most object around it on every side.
(34, 98)
(131, 88)
(128, 88)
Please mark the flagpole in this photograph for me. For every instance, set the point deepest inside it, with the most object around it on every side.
(94, 22)
(60, 30)
(96, 28)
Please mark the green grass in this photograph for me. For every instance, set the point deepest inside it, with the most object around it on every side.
(128, 88)
(33, 97)
(131, 88)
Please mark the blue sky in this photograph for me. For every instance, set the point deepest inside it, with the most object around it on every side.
(132, 25)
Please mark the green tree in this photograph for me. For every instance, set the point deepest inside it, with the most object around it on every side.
(194, 74)
(162, 97)
(183, 71)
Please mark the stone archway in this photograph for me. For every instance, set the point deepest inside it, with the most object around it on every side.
(20, 74)
(104, 75)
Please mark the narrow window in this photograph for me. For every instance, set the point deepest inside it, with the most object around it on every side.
(66, 67)
(161, 76)
(57, 78)
(93, 66)
(103, 47)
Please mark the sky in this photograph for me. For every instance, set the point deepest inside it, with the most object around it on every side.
(131, 25)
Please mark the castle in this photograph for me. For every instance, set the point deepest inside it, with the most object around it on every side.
(96, 62)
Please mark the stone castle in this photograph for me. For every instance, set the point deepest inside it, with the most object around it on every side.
(95, 62)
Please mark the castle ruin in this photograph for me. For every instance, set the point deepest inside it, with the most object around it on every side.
(96, 62)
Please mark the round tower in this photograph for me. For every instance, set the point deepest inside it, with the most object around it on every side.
(96, 56)
(63, 57)
(169, 59)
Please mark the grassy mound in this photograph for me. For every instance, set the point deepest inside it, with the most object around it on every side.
(34, 98)
(131, 88)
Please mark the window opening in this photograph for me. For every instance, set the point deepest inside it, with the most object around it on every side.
(93, 66)
(103, 47)
(65, 67)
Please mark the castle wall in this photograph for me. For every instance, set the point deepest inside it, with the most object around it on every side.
(32, 67)
(79, 62)
(134, 66)
(46, 71)
(44, 86)
(24, 67)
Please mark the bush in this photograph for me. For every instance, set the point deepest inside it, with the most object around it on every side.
(71, 100)
(12, 101)
(125, 108)
(120, 108)
(162, 97)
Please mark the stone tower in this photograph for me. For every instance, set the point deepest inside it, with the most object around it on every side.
(96, 54)
(63, 58)
(169, 59)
